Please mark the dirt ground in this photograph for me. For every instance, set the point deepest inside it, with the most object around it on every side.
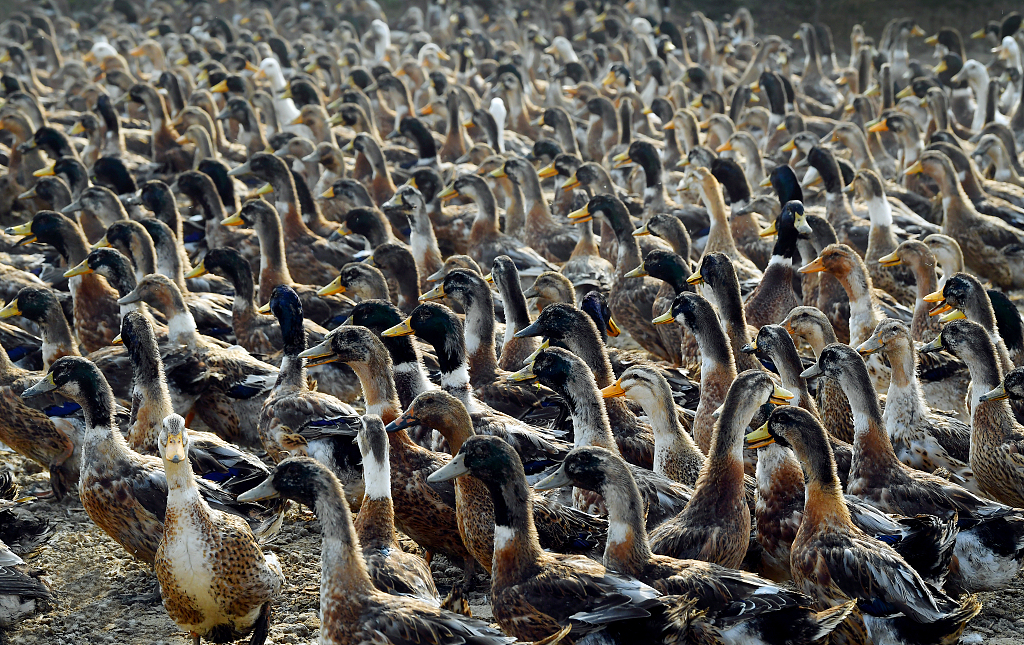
(97, 584)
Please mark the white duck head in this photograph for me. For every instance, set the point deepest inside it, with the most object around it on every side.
(500, 113)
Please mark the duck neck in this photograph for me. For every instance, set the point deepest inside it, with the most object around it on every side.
(587, 244)
(824, 504)
(181, 327)
(288, 203)
(515, 214)
(425, 250)
(273, 267)
(517, 552)
(589, 416)
(451, 359)
(342, 562)
(102, 438)
(244, 302)
(375, 523)
(986, 374)
(670, 440)
(538, 215)
(871, 445)
(151, 401)
(378, 385)
(627, 549)
(517, 316)
(719, 233)
(57, 338)
(486, 221)
(183, 492)
(587, 344)
(787, 361)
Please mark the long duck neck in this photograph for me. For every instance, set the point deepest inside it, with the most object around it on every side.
(273, 266)
(151, 401)
(57, 338)
(719, 234)
(378, 385)
(627, 549)
(375, 522)
(824, 504)
(517, 553)
(343, 565)
(588, 346)
(871, 445)
(588, 413)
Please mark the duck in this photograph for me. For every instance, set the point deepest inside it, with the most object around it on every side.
(505, 277)
(439, 326)
(95, 308)
(165, 150)
(717, 589)
(568, 375)
(676, 456)
(428, 514)
(233, 380)
(922, 439)
(809, 325)
(293, 416)
(29, 430)
(523, 570)
(989, 532)
(907, 613)
(215, 580)
(541, 231)
(578, 332)
(560, 528)
(980, 236)
(631, 299)
(718, 368)
(486, 241)
(918, 257)
(422, 240)
(716, 278)
(392, 570)
(715, 524)
(122, 491)
(994, 432)
(774, 297)
(346, 588)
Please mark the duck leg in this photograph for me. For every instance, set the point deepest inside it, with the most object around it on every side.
(261, 629)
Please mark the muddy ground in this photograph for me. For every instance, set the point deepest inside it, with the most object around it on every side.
(97, 584)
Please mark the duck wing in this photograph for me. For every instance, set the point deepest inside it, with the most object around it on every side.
(403, 621)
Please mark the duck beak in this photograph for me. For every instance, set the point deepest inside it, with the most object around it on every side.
(533, 329)
(525, 374)
(198, 271)
(265, 310)
(11, 310)
(997, 394)
(45, 172)
(811, 372)
(174, 451)
(45, 385)
(489, 278)
(335, 287)
(82, 268)
(905, 92)
(407, 420)
(643, 230)
(612, 329)
(891, 260)
(815, 266)
(638, 272)
(234, 220)
(916, 169)
(498, 173)
(264, 189)
(427, 111)
(940, 308)
(547, 171)
(879, 127)
(532, 357)
(448, 193)
(750, 347)
(117, 340)
(130, 297)
(671, 125)
(724, 147)
(581, 216)
(870, 346)
(244, 169)
(557, 479)
(439, 275)
(941, 67)
(935, 296)
(570, 183)
(760, 438)
(437, 293)
(265, 490)
(343, 230)
(608, 79)
(934, 346)
(696, 278)
(764, 183)
(455, 468)
(403, 328)
(318, 351)
(329, 193)
(621, 159)
(664, 319)
(770, 231)
(956, 314)
(613, 390)
(220, 88)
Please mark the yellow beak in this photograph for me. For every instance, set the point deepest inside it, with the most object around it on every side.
(956, 314)
(570, 183)
(916, 169)
(815, 266)
(335, 287)
(638, 272)
(44, 172)
(664, 319)
(117, 340)
(403, 328)
(233, 220)
(582, 215)
(613, 390)
(82, 268)
(612, 328)
(870, 346)
(760, 438)
(780, 396)
(621, 159)
(265, 309)
(770, 231)
(547, 171)
(220, 88)
(498, 173)
(879, 127)
(891, 260)
(725, 146)
(329, 193)
(102, 244)
(935, 296)
(696, 278)
(437, 293)
(11, 310)
(448, 193)
(198, 271)
(264, 189)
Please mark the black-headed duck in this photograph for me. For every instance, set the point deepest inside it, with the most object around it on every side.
(716, 276)
(505, 277)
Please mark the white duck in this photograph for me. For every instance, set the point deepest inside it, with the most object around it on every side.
(977, 78)
(500, 114)
(286, 110)
(1009, 51)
